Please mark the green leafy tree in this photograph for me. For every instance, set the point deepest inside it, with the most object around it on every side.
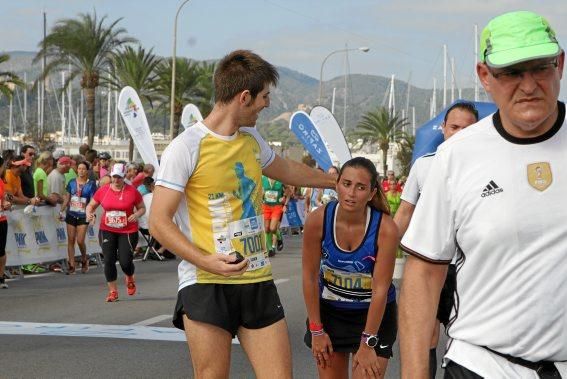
(87, 46)
(135, 68)
(405, 151)
(186, 86)
(206, 89)
(381, 128)
(8, 80)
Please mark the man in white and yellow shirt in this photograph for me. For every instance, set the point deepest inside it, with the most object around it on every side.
(210, 182)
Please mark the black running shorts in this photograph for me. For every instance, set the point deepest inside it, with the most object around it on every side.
(75, 221)
(230, 306)
(345, 327)
(3, 237)
(447, 297)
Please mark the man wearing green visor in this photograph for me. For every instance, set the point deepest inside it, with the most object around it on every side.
(495, 200)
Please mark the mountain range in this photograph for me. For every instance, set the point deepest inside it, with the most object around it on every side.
(294, 91)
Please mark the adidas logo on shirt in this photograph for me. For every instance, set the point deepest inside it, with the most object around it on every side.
(491, 189)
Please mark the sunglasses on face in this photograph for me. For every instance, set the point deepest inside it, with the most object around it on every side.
(515, 75)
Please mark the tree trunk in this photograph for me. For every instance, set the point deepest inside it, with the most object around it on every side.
(384, 159)
(131, 150)
(177, 111)
(90, 102)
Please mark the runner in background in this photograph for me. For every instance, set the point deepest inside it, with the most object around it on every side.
(351, 307)
(274, 204)
(73, 211)
(122, 205)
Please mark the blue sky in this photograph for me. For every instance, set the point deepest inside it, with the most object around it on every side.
(403, 36)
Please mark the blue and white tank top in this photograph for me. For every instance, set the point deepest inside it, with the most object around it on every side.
(345, 279)
(80, 197)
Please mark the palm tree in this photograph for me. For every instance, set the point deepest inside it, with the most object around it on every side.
(206, 90)
(405, 151)
(8, 80)
(135, 68)
(186, 86)
(87, 45)
(382, 128)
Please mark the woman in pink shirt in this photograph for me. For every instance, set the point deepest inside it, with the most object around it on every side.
(122, 205)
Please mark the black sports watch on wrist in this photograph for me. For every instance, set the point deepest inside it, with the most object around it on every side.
(369, 339)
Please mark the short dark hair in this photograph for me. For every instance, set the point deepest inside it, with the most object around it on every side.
(84, 148)
(148, 181)
(91, 155)
(84, 163)
(25, 148)
(242, 70)
(463, 105)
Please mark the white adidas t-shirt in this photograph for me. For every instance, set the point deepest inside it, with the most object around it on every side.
(502, 203)
(416, 178)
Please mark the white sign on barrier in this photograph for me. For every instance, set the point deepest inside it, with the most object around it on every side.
(41, 237)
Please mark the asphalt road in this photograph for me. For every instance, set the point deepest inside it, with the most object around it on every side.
(71, 320)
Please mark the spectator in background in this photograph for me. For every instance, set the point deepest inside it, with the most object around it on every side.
(402, 183)
(5, 205)
(13, 184)
(390, 180)
(91, 157)
(83, 149)
(329, 194)
(44, 166)
(104, 164)
(132, 170)
(26, 177)
(56, 178)
(7, 156)
(72, 174)
(393, 196)
(147, 172)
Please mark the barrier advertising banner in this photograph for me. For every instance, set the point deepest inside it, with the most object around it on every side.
(41, 237)
(190, 116)
(304, 129)
(134, 117)
(331, 133)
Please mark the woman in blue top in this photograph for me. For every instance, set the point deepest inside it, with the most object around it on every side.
(349, 250)
(80, 190)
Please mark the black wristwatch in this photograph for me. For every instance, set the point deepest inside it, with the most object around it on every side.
(369, 339)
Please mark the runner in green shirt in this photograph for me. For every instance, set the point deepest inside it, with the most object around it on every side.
(273, 205)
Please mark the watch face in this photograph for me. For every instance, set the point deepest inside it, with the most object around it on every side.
(372, 341)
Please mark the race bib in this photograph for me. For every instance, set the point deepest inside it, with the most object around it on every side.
(116, 219)
(271, 196)
(344, 281)
(78, 204)
(247, 237)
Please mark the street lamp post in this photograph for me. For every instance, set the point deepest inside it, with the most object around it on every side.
(172, 104)
(363, 49)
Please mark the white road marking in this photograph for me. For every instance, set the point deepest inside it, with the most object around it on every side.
(134, 332)
(92, 330)
(279, 281)
(153, 320)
